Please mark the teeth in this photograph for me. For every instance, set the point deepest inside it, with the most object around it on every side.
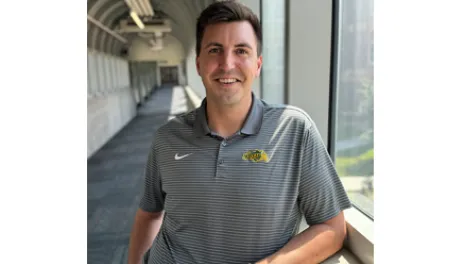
(227, 80)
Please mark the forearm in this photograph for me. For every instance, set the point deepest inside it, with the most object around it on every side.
(313, 245)
(144, 231)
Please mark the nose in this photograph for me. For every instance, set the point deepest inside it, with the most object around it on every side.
(227, 61)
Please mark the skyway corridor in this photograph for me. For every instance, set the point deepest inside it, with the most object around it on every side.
(115, 177)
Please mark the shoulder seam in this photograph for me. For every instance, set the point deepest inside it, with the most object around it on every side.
(296, 109)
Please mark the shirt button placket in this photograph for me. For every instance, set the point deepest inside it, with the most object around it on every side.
(220, 160)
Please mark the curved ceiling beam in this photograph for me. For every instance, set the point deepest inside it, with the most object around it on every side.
(100, 10)
(107, 19)
(102, 16)
(93, 12)
(97, 6)
(105, 28)
(117, 46)
(90, 4)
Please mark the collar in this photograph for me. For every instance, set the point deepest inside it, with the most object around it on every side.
(251, 126)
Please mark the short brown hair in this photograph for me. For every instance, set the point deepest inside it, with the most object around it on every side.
(227, 11)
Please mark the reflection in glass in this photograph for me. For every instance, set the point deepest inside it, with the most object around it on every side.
(354, 139)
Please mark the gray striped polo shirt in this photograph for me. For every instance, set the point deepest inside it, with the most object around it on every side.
(240, 199)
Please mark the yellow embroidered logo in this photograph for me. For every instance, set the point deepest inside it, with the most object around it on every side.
(256, 155)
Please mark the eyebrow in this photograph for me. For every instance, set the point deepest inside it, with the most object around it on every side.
(240, 45)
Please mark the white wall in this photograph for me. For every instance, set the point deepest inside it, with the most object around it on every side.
(172, 51)
(107, 115)
(309, 59)
(110, 100)
(193, 79)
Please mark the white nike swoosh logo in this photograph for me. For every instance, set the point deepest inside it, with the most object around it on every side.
(177, 157)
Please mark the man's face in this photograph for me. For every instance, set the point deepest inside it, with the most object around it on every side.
(228, 61)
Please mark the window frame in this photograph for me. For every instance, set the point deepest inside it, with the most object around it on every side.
(333, 96)
(360, 223)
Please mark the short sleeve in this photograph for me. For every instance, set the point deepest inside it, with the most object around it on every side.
(153, 197)
(321, 193)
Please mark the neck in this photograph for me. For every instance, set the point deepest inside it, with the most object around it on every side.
(226, 120)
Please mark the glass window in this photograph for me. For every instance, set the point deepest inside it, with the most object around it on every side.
(354, 97)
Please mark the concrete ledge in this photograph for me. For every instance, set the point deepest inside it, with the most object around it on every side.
(342, 257)
(194, 101)
(106, 116)
(105, 93)
(360, 231)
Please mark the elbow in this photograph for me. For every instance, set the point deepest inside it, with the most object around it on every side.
(149, 216)
(340, 236)
(339, 230)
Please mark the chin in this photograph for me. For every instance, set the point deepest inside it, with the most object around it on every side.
(232, 100)
(229, 97)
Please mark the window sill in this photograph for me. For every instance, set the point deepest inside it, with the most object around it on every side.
(360, 239)
(342, 257)
(192, 97)
(359, 245)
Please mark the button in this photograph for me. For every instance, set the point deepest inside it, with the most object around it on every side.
(221, 161)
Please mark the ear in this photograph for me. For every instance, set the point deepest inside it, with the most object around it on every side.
(197, 62)
(260, 63)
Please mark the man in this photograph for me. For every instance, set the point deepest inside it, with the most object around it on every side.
(230, 181)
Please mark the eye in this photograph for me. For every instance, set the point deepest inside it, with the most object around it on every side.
(214, 50)
(242, 51)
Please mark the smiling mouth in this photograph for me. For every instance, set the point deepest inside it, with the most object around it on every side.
(227, 80)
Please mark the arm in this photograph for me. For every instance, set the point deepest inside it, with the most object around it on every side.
(322, 200)
(144, 231)
(313, 245)
(149, 216)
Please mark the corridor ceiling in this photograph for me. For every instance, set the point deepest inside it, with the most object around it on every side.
(104, 21)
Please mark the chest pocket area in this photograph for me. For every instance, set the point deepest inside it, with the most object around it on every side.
(262, 170)
(262, 181)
